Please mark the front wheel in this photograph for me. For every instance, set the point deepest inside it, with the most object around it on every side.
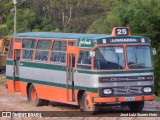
(136, 106)
(33, 97)
(87, 104)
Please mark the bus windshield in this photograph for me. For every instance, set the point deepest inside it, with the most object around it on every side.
(107, 58)
(139, 57)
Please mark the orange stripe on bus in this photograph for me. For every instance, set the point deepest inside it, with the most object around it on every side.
(122, 99)
(149, 97)
(104, 100)
(54, 93)
(23, 87)
(13, 87)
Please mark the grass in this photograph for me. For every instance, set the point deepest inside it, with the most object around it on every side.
(158, 98)
(2, 79)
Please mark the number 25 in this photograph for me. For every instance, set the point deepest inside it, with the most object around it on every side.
(121, 31)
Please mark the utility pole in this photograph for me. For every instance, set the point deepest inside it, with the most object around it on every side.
(15, 15)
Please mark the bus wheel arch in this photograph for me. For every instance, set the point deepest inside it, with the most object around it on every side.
(33, 97)
(79, 98)
(27, 89)
(86, 103)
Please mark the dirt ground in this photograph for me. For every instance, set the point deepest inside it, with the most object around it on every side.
(15, 102)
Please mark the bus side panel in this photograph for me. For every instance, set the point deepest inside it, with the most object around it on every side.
(10, 85)
(53, 93)
(13, 87)
(23, 86)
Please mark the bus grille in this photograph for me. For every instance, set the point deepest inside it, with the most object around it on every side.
(127, 90)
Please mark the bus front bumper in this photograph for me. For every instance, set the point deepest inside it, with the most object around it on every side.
(123, 99)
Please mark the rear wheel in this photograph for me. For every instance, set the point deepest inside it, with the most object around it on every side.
(136, 106)
(33, 97)
(87, 104)
(45, 102)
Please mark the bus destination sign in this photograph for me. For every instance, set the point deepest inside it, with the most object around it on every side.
(124, 40)
(119, 40)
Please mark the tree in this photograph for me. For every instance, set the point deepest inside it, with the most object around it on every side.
(142, 16)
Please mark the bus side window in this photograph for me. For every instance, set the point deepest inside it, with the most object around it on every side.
(58, 53)
(71, 43)
(28, 49)
(42, 51)
(84, 61)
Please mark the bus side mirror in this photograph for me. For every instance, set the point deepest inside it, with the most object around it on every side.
(154, 51)
(92, 53)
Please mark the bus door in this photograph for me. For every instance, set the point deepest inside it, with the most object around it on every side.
(72, 55)
(16, 64)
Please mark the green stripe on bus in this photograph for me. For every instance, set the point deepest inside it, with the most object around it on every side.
(114, 72)
(43, 66)
(55, 84)
(9, 62)
(11, 78)
(63, 68)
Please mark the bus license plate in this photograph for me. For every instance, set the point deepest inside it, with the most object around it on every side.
(130, 98)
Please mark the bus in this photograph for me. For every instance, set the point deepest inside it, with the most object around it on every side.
(88, 70)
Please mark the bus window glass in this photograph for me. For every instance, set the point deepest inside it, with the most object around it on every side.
(27, 54)
(42, 51)
(59, 46)
(72, 44)
(63, 46)
(18, 40)
(84, 61)
(107, 58)
(42, 55)
(11, 49)
(44, 44)
(28, 49)
(58, 57)
(139, 57)
(28, 44)
(58, 53)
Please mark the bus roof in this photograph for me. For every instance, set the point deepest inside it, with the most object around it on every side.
(86, 40)
(60, 35)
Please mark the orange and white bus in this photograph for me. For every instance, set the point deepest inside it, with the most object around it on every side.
(81, 69)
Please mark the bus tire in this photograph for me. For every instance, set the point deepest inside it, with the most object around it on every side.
(45, 102)
(136, 106)
(87, 104)
(33, 97)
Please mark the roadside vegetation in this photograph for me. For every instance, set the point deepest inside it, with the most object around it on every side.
(2, 79)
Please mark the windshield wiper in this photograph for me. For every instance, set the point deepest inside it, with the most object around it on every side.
(136, 64)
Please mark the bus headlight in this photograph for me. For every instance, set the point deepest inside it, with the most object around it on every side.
(147, 89)
(107, 91)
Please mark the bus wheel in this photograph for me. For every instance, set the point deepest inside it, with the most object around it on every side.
(87, 104)
(136, 106)
(45, 102)
(33, 97)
